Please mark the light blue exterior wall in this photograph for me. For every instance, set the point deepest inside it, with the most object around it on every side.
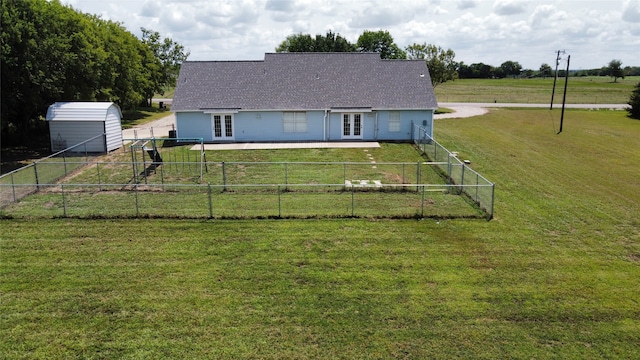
(194, 125)
(407, 119)
(261, 126)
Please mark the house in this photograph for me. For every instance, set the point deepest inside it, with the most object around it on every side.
(304, 97)
(71, 123)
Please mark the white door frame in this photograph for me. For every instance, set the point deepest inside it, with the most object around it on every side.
(352, 126)
(223, 126)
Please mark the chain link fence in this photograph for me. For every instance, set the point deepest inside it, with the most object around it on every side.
(455, 172)
(27, 180)
(163, 180)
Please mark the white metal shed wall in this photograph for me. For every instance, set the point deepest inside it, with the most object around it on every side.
(113, 128)
(74, 132)
(71, 123)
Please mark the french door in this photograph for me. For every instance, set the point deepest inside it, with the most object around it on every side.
(352, 126)
(222, 127)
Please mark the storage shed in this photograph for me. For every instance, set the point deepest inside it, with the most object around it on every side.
(71, 123)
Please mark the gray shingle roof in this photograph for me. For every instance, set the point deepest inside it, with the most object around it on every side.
(305, 81)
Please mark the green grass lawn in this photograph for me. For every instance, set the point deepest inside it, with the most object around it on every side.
(143, 115)
(556, 274)
(580, 90)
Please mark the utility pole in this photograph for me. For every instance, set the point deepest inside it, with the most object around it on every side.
(564, 97)
(555, 78)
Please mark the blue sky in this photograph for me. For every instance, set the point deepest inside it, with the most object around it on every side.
(593, 32)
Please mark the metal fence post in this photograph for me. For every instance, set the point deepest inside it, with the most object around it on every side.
(162, 176)
(279, 203)
(422, 205)
(13, 187)
(462, 179)
(210, 204)
(435, 152)
(353, 210)
(286, 176)
(64, 160)
(224, 178)
(135, 187)
(35, 170)
(133, 165)
(493, 192)
(99, 180)
(344, 173)
(477, 186)
(449, 169)
(64, 202)
(418, 174)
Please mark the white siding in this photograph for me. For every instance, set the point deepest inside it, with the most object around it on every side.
(113, 129)
(75, 132)
(71, 123)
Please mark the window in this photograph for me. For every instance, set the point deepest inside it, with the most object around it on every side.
(394, 121)
(294, 122)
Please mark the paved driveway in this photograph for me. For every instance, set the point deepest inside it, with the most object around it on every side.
(158, 128)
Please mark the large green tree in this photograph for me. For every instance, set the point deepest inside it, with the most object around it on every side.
(545, 70)
(441, 63)
(51, 52)
(381, 42)
(331, 42)
(511, 68)
(169, 56)
(47, 56)
(634, 103)
(614, 69)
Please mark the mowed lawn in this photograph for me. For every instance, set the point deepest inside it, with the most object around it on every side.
(580, 90)
(556, 273)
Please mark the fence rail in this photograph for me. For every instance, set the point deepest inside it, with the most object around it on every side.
(245, 201)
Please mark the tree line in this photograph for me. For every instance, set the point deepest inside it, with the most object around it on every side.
(51, 52)
(442, 66)
(441, 63)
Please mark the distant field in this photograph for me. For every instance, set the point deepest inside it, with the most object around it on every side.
(555, 274)
(580, 90)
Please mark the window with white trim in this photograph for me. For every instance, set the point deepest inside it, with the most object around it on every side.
(394, 121)
(294, 122)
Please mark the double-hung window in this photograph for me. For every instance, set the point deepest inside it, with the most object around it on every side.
(394, 121)
(294, 122)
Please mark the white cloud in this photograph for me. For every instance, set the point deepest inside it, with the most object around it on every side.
(150, 9)
(509, 7)
(541, 15)
(381, 17)
(467, 4)
(279, 5)
(488, 31)
(631, 11)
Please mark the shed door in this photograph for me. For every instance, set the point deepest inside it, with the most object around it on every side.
(352, 126)
(222, 127)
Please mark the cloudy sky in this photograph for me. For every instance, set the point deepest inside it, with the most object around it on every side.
(593, 32)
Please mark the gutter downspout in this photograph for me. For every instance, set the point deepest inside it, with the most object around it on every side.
(324, 125)
(327, 124)
(375, 127)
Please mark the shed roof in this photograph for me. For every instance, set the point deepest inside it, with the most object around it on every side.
(80, 111)
(305, 81)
